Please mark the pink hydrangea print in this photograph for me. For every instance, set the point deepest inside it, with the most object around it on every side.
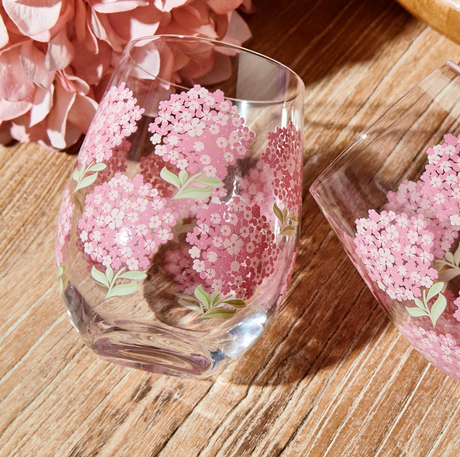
(116, 163)
(233, 247)
(457, 312)
(64, 225)
(115, 120)
(442, 350)
(124, 221)
(283, 159)
(441, 181)
(397, 252)
(410, 199)
(200, 131)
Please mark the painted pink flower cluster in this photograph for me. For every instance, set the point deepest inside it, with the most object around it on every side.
(233, 247)
(64, 226)
(150, 168)
(57, 56)
(441, 181)
(442, 350)
(200, 131)
(116, 163)
(282, 160)
(397, 252)
(115, 120)
(410, 199)
(123, 223)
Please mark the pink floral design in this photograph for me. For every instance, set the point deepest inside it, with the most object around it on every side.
(150, 169)
(123, 223)
(233, 247)
(397, 252)
(283, 166)
(200, 131)
(411, 199)
(442, 350)
(116, 163)
(457, 312)
(442, 184)
(64, 226)
(115, 120)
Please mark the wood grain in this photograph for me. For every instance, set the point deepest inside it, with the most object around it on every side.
(331, 377)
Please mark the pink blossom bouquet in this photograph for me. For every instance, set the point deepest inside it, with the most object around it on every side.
(56, 56)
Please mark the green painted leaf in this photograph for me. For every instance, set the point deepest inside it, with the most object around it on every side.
(123, 289)
(236, 303)
(435, 290)
(277, 212)
(450, 257)
(170, 177)
(137, 275)
(189, 305)
(184, 296)
(194, 192)
(60, 271)
(76, 175)
(183, 176)
(62, 284)
(109, 274)
(85, 182)
(419, 303)
(289, 230)
(449, 274)
(416, 312)
(215, 297)
(457, 256)
(99, 277)
(97, 167)
(295, 220)
(219, 314)
(209, 182)
(438, 308)
(203, 297)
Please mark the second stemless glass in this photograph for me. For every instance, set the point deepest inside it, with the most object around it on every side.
(178, 230)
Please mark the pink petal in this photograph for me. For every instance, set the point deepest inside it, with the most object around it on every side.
(72, 83)
(67, 13)
(24, 134)
(60, 52)
(107, 7)
(103, 30)
(33, 19)
(143, 21)
(33, 64)
(223, 6)
(168, 5)
(238, 31)
(42, 104)
(89, 67)
(221, 70)
(82, 112)
(3, 33)
(11, 110)
(57, 118)
(14, 84)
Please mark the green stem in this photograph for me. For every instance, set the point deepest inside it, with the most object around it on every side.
(112, 284)
(190, 180)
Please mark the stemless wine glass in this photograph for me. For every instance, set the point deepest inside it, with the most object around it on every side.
(393, 198)
(178, 229)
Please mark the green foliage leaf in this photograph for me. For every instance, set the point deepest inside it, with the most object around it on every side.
(109, 274)
(416, 312)
(278, 213)
(219, 314)
(194, 192)
(76, 175)
(435, 290)
(419, 303)
(289, 230)
(123, 289)
(295, 220)
(60, 271)
(183, 176)
(184, 296)
(136, 275)
(189, 305)
(85, 182)
(97, 167)
(209, 182)
(235, 303)
(438, 308)
(170, 177)
(99, 277)
(203, 297)
(62, 284)
(449, 274)
(215, 297)
(457, 256)
(450, 257)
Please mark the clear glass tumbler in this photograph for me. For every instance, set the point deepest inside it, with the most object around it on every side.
(393, 198)
(178, 229)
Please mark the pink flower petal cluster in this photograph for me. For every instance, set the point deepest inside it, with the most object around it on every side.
(115, 120)
(200, 131)
(442, 350)
(150, 168)
(233, 247)
(56, 56)
(411, 199)
(123, 223)
(116, 163)
(397, 252)
(64, 226)
(441, 180)
(283, 165)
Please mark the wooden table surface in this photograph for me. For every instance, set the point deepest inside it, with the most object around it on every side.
(330, 377)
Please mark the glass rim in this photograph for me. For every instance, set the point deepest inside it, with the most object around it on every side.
(323, 178)
(132, 44)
